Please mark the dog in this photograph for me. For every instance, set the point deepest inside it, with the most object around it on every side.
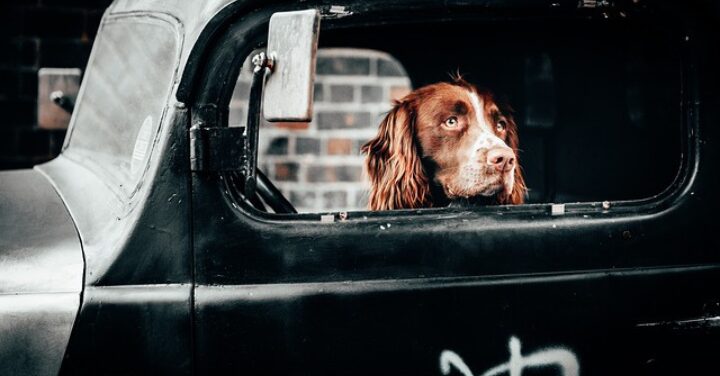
(444, 142)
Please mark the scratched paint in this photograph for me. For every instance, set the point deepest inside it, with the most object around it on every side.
(561, 358)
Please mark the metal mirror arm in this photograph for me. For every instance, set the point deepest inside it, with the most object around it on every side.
(272, 196)
(262, 66)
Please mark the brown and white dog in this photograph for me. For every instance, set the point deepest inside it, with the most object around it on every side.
(444, 142)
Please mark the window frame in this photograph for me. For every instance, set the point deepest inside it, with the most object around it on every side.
(84, 156)
(241, 39)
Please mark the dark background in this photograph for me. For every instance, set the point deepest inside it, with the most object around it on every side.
(35, 34)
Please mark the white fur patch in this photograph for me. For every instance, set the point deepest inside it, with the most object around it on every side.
(476, 177)
(487, 138)
(479, 112)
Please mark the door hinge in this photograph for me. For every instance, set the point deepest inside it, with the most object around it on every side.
(216, 149)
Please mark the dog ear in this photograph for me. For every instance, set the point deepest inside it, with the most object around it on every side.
(393, 163)
(519, 191)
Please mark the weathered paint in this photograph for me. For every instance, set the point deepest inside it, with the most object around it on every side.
(218, 287)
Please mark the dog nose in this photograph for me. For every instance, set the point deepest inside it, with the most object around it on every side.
(502, 158)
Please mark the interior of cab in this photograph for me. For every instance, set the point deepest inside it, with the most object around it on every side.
(597, 100)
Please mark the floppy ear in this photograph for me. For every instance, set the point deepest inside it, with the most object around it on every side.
(393, 164)
(519, 191)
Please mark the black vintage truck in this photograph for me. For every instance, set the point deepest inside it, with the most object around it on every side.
(154, 245)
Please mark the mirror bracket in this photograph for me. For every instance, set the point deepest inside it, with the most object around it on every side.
(222, 149)
(262, 66)
(292, 49)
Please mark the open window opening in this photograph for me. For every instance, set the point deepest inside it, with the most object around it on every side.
(597, 102)
(318, 165)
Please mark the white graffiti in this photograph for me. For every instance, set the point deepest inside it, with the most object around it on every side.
(565, 361)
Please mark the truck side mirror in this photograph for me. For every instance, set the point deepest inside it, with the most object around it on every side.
(292, 50)
(283, 81)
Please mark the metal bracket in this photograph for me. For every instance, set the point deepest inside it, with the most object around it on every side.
(214, 149)
(222, 149)
(262, 66)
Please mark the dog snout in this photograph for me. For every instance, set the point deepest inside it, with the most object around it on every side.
(502, 158)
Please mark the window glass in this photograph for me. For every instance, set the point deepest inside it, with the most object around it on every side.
(122, 101)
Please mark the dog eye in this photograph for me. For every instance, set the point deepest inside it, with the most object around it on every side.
(451, 122)
(501, 125)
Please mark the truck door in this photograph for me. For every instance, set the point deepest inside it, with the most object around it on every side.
(591, 288)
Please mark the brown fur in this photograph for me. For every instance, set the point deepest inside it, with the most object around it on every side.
(411, 142)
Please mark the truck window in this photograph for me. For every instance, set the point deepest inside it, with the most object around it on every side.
(597, 104)
(122, 99)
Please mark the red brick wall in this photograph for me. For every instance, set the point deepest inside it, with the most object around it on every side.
(318, 166)
(35, 34)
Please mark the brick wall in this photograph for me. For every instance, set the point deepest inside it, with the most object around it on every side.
(318, 165)
(34, 34)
